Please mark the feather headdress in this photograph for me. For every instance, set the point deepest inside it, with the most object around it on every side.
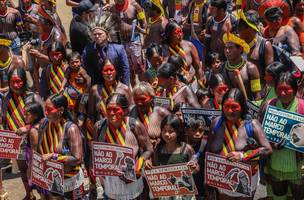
(105, 21)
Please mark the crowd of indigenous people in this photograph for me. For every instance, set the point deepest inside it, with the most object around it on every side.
(98, 82)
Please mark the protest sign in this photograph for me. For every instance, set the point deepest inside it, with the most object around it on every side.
(9, 144)
(282, 126)
(170, 180)
(253, 109)
(226, 175)
(48, 175)
(205, 115)
(113, 160)
(162, 102)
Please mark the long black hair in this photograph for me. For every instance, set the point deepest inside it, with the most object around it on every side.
(101, 68)
(119, 99)
(35, 109)
(171, 26)
(275, 69)
(287, 77)
(239, 97)
(59, 100)
(214, 81)
(20, 72)
(57, 46)
(167, 70)
(176, 123)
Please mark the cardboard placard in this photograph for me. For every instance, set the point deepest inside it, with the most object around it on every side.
(284, 126)
(9, 144)
(170, 180)
(162, 102)
(48, 175)
(231, 176)
(203, 114)
(113, 160)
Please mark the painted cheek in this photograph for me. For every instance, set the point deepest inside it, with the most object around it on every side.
(16, 83)
(143, 100)
(115, 111)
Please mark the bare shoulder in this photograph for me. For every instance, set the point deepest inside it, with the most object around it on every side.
(122, 86)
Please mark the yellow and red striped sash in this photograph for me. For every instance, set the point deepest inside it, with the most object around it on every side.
(15, 112)
(51, 137)
(179, 51)
(144, 118)
(178, 5)
(56, 78)
(230, 135)
(104, 94)
(116, 136)
(171, 94)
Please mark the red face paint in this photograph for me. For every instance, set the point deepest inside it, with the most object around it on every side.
(56, 55)
(284, 90)
(114, 112)
(109, 72)
(231, 106)
(142, 99)
(16, 83)
(268, 78)
(221, 89)
(178, 32)
(50, 110)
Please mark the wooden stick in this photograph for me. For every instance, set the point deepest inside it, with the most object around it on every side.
(240, 82)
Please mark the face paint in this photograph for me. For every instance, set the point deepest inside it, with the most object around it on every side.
(114, 112)
(221, 89)
(142, 99)
(284, 90)
(109, 72)
(231, 106)
(16, 82)
(50, 110)
(56, 56)
(178, 32)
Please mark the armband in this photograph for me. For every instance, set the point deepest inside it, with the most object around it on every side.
(141, 15)
(239, 2)
(255, 85)
(139, 164)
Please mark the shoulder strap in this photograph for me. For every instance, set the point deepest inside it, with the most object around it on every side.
(262, 50)
(218, 124)
(249, 128)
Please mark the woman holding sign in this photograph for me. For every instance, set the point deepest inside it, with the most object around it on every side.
(60, 140)
(13, 116)
(238, 139)
(284, 165)
(117, 128)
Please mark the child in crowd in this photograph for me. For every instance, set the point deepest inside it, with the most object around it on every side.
(172, 149)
